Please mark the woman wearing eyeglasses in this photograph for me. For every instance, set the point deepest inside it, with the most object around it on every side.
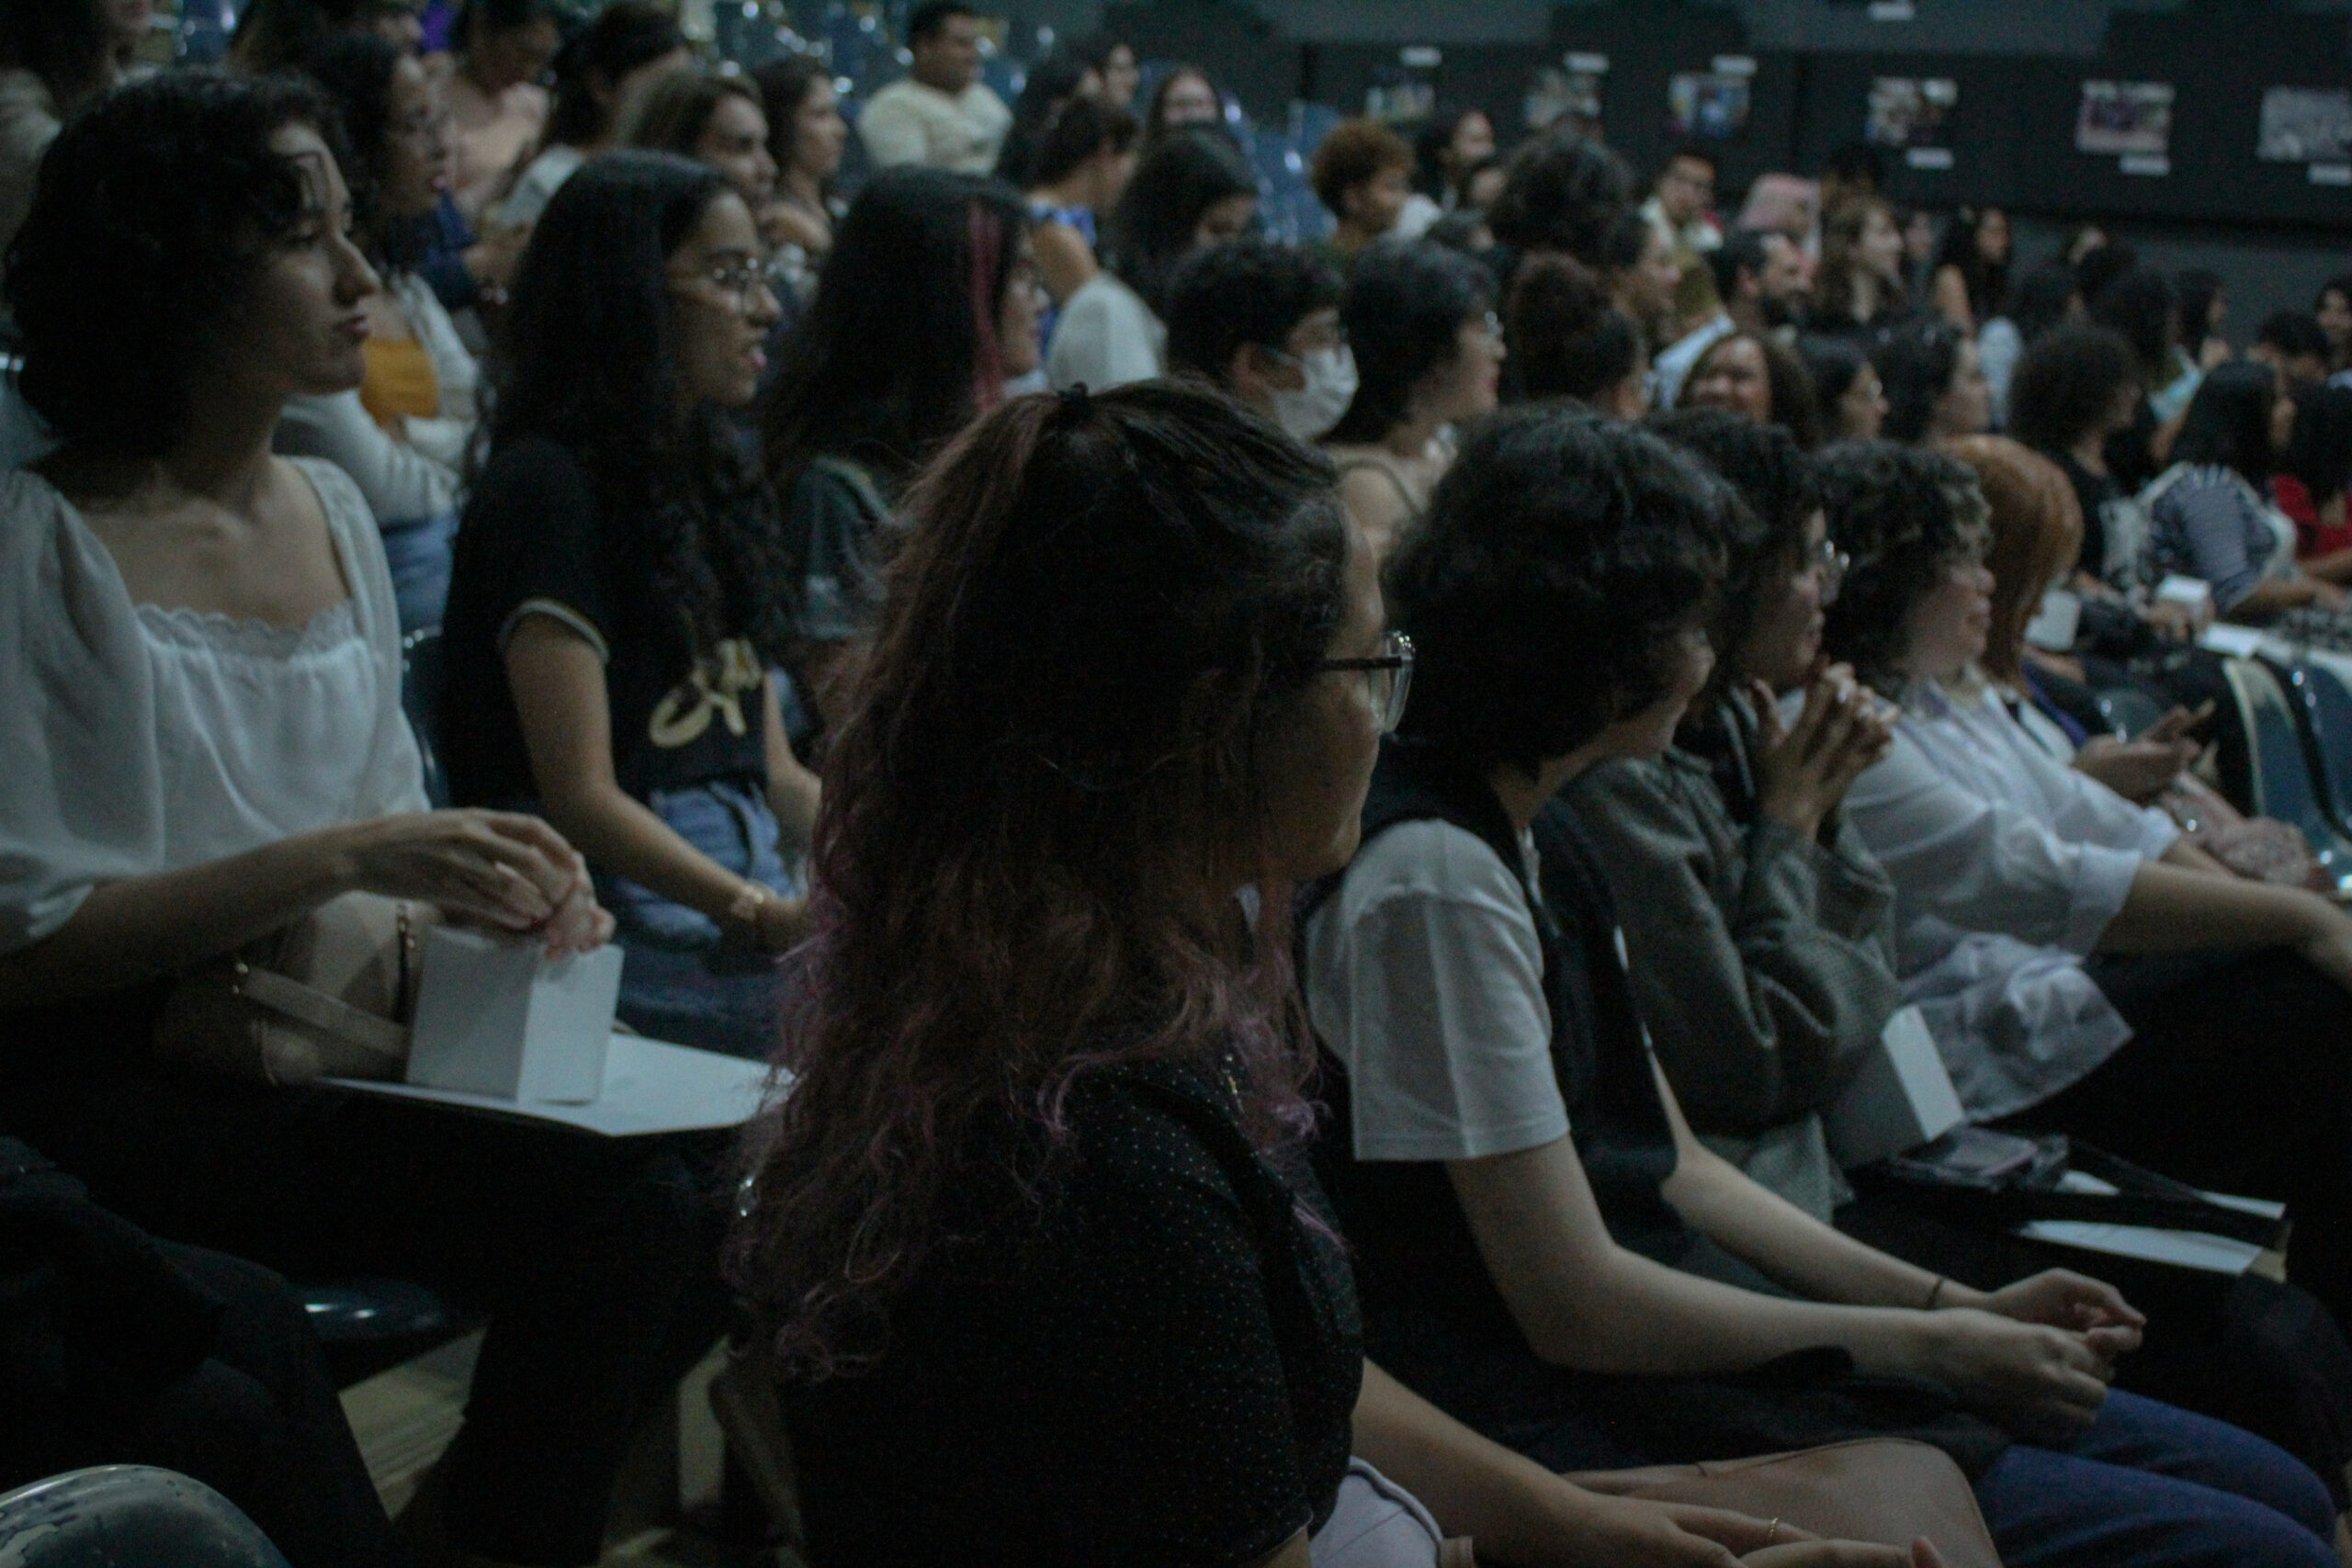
(1761, 931)
(619, 593)
(1541, 1247)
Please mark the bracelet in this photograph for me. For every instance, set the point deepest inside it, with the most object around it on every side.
(1935, 1291)
(745, 910)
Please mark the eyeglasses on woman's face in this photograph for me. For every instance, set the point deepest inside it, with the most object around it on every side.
(1388, 678)
(739, 281)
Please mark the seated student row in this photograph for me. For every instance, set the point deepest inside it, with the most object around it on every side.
(663, 192)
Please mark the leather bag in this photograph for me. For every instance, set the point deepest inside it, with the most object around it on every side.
(329, 996)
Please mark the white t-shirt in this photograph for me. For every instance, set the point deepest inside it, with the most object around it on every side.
(908, 122)
(1425, 977)
(1105, 337)
(141, 740)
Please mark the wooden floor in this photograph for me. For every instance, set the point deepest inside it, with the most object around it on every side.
(406, 1416)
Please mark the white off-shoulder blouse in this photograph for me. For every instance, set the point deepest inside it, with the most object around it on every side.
(136, 740)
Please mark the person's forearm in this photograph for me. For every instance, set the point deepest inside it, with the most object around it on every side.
(2185, 854)
(2174, 909)
(1515, 1509)
(1763, 1229)
(2271, 597)
(621, 836)
(142, 928)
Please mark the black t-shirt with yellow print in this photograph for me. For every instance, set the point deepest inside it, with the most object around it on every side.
(534, 542)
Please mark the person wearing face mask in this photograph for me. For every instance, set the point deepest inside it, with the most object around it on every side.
(1429, 350)
(1263, 321)
(1192, 191)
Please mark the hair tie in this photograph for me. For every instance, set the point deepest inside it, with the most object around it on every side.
(1077, 402)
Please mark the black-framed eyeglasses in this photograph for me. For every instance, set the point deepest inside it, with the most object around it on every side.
(1387, 678)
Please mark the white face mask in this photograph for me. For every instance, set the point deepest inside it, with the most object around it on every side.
(1330, 387)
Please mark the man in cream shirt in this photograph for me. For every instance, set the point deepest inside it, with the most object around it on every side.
(942, 115)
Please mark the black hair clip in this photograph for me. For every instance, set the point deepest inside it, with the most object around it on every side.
(1077, 402)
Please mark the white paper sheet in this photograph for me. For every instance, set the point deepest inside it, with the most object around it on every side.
(2187, 1249)
(648, 1087)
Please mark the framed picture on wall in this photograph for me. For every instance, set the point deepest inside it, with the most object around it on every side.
(1911, 111)
(1708, 106)
(2133, 118)
(2305, 125)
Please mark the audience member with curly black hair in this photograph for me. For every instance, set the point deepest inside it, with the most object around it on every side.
(1541, 1245)
(206, 639)
(55, 56)
(2080, 963)
(2075, 387)
(1568, 339)
(1429, 351)
(1562, 191)
(620, 593)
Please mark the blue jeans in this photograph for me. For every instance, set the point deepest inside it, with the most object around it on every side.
(683, 979)
(2152, 1486)
(419, 555)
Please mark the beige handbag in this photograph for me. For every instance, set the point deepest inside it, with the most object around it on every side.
(1885, 1490)
(329, 996)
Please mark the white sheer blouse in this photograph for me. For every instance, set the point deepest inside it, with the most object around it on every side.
(140, 739)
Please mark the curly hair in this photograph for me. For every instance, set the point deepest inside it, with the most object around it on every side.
(1034, 818)
(1357, 152)
(1562, 556)
(1904, 516)
(151, 214)
(356, 70)
(1563, 191)
(1405, 311)
(589, 360)
(2066, 384)
(1916, 362)
(1764, 533)
(1567, 337)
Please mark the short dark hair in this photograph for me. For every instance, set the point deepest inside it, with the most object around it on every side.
(2065, 384)
(2293, 333)
(1903, 517)
(1697, 152)
(1563, 191)
(2141, 305)
(1915, 362)
(1404, 312)
(1243, 291)
(150, 213)
(1077, 131)
(1743, 250)
(1567, 338)
(931, 16)
(2340, 284)
(1561, 557)
(2228, 422)
(2044, 298)
(625, 35)
(2200, 289)
(1777, 494)
(1628, 237)
(1356, 152)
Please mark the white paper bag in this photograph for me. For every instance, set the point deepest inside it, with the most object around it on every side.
(1902, 1098)
(496, 1016)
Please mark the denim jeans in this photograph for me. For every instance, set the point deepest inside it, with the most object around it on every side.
(2152, 1486)
(684, 979)
(419, 555)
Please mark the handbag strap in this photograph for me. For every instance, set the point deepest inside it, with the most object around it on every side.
(335, 1017)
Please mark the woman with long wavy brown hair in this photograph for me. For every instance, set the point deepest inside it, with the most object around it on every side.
(1044, 1276)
